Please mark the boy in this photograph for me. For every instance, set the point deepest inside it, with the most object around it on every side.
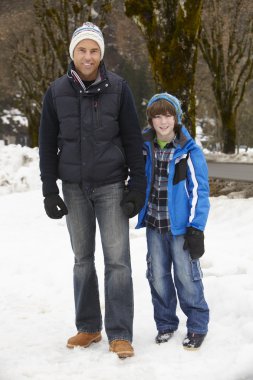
(175, 214)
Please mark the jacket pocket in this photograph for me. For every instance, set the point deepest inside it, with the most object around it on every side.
(180, 169)
(121, 153)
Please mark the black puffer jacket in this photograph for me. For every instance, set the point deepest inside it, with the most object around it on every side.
(90, 135)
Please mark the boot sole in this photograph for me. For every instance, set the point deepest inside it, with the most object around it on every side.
(95, 340)
(191, 348)
(123, 354)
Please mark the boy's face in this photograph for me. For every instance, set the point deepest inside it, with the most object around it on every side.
(164, 126)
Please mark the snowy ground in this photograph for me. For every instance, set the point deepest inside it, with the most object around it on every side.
(242, 156)
(36, 300)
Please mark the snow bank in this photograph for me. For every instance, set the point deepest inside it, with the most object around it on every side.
(19, 169)
(19, 166)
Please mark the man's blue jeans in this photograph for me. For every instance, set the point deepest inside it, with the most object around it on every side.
(164, 252)
(85, 206)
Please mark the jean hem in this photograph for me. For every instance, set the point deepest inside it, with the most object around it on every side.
(120, 338)
(166, 331)
(88, 331)
(168, 328)
(197, 332)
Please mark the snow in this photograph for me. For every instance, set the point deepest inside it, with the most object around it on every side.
(36, 299)
(243, 156)
(14, 115)
(19, 168)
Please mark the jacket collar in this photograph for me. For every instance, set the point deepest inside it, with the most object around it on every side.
(148, 135)
(99, 85)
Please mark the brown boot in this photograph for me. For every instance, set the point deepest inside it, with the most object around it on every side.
(82, 339)
(122, 348)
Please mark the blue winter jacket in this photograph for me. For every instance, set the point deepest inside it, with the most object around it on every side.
(188, 188)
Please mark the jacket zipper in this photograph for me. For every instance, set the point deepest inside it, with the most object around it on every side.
(96, 112)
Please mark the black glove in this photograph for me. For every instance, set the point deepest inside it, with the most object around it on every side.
(132, 203)
(54, 206)
(194, 242)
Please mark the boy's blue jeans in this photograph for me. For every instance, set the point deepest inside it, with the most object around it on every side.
(85, 206)
(164, 252)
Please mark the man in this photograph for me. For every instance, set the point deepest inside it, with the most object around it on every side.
(91, 140)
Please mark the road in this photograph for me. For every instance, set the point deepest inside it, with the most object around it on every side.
(233, 171)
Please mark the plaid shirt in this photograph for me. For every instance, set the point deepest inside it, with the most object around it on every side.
(157, 214)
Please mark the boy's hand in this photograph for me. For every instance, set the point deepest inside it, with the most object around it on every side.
(54, 206)
(132, 203)
(194, 242)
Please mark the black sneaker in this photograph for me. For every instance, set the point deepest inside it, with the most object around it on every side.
(193, 341)
(164, 336)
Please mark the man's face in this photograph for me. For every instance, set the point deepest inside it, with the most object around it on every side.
(87, 59)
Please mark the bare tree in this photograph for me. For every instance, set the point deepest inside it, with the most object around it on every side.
(226, 43)
(43, 55)
(171, 29)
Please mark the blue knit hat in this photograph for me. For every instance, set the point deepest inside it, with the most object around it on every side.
(172, 100)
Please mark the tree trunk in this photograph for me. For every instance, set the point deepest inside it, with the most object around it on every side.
(226, 43)
(228, 132)
(171, 29)
(33, 129)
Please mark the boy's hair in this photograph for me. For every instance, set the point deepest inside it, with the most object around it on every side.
(162, 107)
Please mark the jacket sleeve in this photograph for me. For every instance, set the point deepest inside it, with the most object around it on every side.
(132, 140)
(198, 188)
(48, 132)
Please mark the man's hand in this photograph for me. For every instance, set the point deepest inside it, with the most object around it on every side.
(132, 203)
(54, 206)
(194, 242)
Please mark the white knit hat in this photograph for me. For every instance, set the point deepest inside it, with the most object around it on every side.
(87, 31)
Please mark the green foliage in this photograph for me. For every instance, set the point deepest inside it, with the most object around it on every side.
(171, 29)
